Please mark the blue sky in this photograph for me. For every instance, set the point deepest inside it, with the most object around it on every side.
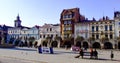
(38, 12)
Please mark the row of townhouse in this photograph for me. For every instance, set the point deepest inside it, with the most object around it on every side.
(103, 33)
(38, 33)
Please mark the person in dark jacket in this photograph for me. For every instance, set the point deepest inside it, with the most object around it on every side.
(91, 53)
(112, 55)
(81, 53)
(95, 53)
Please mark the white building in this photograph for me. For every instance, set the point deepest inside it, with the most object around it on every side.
(49, 30)
(82, 29)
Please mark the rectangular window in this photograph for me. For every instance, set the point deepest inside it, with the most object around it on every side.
(92, 28)
(64, 16)
(111, 36)
(93, 35)
(97, 36)
(56, 35)
(110, 27)
(96, 28)
(47, 29)
(43, 36)
(48, 35)
(65, 22)
(69, 22)
(51, 35)
(50, 29)
(40, 36)
(106, 35)
(106, 27)
(119, 33)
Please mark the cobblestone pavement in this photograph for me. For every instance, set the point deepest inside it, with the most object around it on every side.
(30, 55)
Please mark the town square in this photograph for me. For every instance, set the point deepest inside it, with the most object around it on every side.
(31, 55)
(59, 31)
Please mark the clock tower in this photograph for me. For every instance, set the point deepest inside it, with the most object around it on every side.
(117, 16)
(117, 23)
(17, 22)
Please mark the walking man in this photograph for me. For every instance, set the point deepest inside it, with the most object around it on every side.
(112, 55)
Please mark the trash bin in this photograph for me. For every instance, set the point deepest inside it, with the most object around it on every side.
(51, 50)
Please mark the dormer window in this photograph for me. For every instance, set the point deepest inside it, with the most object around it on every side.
(50, 29)
(67, 16)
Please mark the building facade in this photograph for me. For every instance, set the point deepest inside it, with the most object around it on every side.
(103, 33)
(49, 31)
(67, 22)
(19, 33)
(117, 28)
(82, 30)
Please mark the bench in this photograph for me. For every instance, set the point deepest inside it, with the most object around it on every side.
(86, 53)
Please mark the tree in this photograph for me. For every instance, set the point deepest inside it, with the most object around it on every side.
(58, 39)
(31, 40)
(49, 39)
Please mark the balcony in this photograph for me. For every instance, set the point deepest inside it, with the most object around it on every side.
(67, 31)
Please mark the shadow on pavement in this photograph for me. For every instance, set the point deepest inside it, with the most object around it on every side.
(24, 49)
(102, 59)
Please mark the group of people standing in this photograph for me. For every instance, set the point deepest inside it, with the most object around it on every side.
(93, 53)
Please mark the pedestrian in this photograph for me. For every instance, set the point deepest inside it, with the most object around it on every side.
(95, 53)
(81, 53)
(112, 55)
(91, 53)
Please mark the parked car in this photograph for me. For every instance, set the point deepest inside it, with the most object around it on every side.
(75, 48)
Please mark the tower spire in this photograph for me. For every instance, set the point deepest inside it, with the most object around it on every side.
(17, 21)
(18, 18)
